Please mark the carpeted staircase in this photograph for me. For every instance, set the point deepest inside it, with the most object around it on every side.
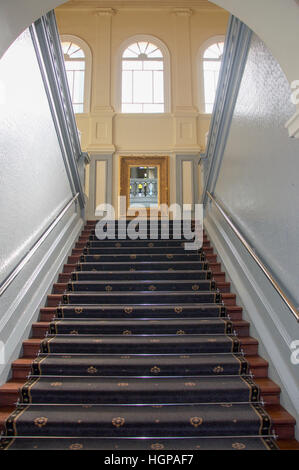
(145, 341)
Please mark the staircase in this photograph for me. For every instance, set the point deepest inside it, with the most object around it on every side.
(142, 323)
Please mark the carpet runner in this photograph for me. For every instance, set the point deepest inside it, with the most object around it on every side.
(140, 347)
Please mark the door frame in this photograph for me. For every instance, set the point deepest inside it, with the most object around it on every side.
(162, 162)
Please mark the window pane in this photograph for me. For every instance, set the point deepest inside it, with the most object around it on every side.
(78, 54)
(78, 87)
(132, 108)
(209, 87)
(129, 53)
(156, 53)
(215, 51)
(151, 48)
(143, 46)
(127, 91)
(132, 65)
(153, 108)
(78, 108)
(209, 108)
(65, 46)
(212, 65)
(75, 65)
(143, 87)
(153, 65)
(158, 87)
(211, 81)
(70, 79)
(134, 50)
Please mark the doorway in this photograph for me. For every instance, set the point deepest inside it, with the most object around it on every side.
(144, 181)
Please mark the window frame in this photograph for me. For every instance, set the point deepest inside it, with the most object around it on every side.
(166, 71)
(208, 43)
(88, 67)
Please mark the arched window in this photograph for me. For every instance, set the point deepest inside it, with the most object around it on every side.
(77, 57)
(144, 76)
(211, 58)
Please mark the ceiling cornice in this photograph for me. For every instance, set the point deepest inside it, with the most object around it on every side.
(203, 5)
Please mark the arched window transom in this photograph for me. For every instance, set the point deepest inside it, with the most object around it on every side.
(75, 64)
(212, 58)
(143, 79)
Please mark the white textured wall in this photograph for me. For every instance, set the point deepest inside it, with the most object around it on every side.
(276, 22)
(258, 185)
(258, 180)
(33, 181)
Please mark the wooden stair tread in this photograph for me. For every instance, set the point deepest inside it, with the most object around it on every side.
(266, 385)
(290, 444)
(279, 415)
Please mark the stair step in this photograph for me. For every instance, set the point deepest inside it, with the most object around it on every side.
(109, 275)
(142, 266)
(78, 258)
(111, 258)
(149, 444)
(86, 242)
(126, 344)
(232, 312)
(139, 365)
(126, 421)
(139, 251)
(118, 326)
(141, 275)
(140, 327)
(194, 364)
(135, 285)
(282, 424)
(32, 346)
(139, 390)
(126, 388)
(140, 297)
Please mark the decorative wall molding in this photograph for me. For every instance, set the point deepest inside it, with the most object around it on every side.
(102, 60)
(94, 158)
(105, 12)
(194, 159)
(202, 5)
(182, 12)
